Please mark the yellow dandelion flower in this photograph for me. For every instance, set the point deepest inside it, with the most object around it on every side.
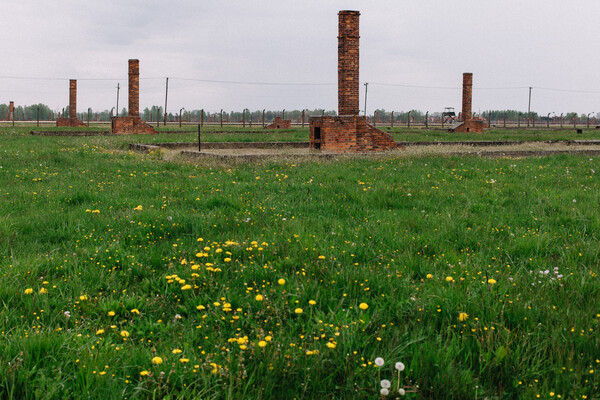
(449, 279)
(321, 257)
(262, 343)
(157, 360)
(227, 259)
(139, 208)
(200, 307)
(43, 290)
(298, 311)
(124, 333)
(176, 351)
(29, 291)
(144, 373)
(281, 281)
(268, 338)
(429, 276)
(99, 331)
(83, 297)
(135, 311)
(463, 316)
(184, 360)
(312, 302)
(259, 297)
(363, 306)
(331, 345)
(111, 313)
(186, 287)
(243, 347)
(491, 281)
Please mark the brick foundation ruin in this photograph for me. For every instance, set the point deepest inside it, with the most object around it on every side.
(468, 124)
(72, 121)
(132, 124)
(279, 123)
(348, 132)
(11, 111)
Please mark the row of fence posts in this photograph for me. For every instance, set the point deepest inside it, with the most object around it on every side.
(529, 121)
(376, 119)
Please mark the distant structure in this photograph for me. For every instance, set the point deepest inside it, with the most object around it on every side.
(133, 123)
(348, 132)
(468, 124)
(72, 121)
(11, 111)
(279, 123)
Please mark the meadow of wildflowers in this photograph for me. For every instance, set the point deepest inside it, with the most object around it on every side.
(126, 276)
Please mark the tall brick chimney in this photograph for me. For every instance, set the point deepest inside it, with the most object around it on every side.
(134, 88)
(468, 124)
(73, 98)
(11, 111)
(132, 124)
(467, 96)
(348, 57)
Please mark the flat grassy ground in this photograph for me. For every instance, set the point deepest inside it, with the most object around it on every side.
(126, 276)
(234, 133)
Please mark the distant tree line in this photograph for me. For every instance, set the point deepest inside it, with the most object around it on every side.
(44, 113)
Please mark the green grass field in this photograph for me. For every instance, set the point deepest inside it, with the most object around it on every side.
(126, 276)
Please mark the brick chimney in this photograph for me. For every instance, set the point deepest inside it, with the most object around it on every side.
(73, 99)
(467, 95)
(134, 88)
(348, 57)
(11, 111)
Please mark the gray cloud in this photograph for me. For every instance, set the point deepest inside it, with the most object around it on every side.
(506, 44)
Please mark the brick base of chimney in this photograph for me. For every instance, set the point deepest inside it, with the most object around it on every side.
(348, 134)
(130, 125)
(279, 123)
(471, 126)
(71, 122)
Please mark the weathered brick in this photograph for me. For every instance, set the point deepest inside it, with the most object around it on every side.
(279, 123)
(348, 62)
(469, 124)
(348, 132)
(72, 121)
(132, 124)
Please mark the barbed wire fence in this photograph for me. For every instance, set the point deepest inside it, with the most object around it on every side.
(221, 102)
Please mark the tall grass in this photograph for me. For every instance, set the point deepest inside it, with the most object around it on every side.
(114, 239)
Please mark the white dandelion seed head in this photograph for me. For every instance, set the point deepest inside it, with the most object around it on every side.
(401, 391)
(384, 392)
(399, 366)
(385, 384)
(379, 362)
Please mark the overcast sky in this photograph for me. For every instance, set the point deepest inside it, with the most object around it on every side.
(412, 53)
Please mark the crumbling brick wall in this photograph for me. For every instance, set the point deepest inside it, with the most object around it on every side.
(279, 123)
(347, 134)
